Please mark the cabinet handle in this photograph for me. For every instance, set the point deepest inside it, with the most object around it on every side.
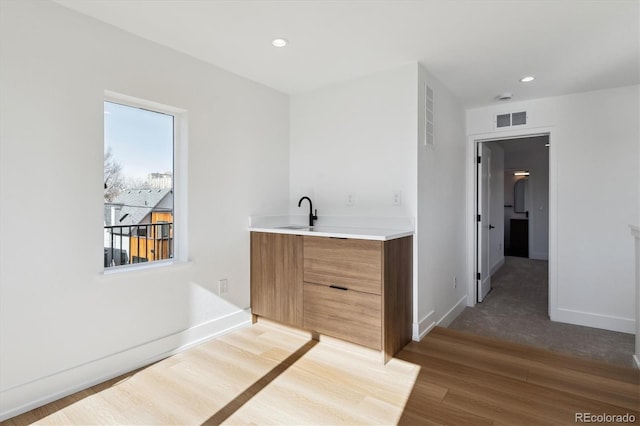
(337, 287)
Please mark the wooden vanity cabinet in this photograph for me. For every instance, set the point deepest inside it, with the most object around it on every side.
(352, 289)
(276, 277)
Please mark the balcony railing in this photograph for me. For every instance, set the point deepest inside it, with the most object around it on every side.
(131, 244)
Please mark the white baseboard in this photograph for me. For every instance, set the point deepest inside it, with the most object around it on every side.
(539, 255)
(497, 266)
(453, 312)
(637, 361)
(27, 396)
(423, 327)
(589, 319)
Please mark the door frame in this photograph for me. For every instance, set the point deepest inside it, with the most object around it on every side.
(472, 208)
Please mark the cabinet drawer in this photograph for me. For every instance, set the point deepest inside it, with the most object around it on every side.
(348, 315)
(354, 264)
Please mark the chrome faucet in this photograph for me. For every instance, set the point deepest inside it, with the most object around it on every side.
(312, 216)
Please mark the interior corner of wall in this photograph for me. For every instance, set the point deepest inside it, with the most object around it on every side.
(453, 313)
(423, 327)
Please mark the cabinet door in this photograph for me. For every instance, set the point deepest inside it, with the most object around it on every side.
(519, 238)
(276, 277)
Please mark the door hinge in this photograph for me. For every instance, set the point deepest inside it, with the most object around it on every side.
(478, 276)
(479, 218)
(479, 159)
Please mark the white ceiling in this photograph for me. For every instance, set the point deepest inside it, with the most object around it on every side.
(477, 48)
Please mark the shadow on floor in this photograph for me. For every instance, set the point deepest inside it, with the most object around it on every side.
(240, 400)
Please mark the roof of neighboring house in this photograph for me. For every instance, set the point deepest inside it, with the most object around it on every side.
(133, 205)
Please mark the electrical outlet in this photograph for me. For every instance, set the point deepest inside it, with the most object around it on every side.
(455, 281)
(351, 199)
(223, 286)
(397, 198)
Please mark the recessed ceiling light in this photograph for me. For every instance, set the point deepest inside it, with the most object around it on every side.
(527, 79)
(504, 96)
(523, 173)
(279, 42)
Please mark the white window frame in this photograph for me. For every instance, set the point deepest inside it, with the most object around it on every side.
(180, 180)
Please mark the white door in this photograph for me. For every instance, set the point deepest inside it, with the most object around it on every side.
(484, 227)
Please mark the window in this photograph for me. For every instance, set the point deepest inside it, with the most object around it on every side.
(141, 231)
(165, 228)
(139, 146)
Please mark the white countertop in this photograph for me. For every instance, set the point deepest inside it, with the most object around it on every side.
(336, 232)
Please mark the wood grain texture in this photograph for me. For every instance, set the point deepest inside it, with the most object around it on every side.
(368, 267)
(543, 356)
(263, 375)
(351, 263)
(350, 315)
(276, 277)
(397, 296)
(510, 383)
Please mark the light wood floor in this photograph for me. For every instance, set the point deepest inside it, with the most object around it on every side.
(262, 375)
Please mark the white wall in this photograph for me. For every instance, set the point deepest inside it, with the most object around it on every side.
(441, 210)
(356, 137)
(594, 146)
(366, 136)
(63, 324)
(497, 219)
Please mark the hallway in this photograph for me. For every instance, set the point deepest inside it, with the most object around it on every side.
(516, 310)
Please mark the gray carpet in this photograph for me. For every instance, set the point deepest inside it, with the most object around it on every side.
(516, 310)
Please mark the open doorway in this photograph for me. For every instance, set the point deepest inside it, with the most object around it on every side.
(513, 207)
(531, 323)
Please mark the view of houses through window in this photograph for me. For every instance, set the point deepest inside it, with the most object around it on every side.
(138, 185)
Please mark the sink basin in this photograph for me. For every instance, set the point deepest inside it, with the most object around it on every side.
(298, 227)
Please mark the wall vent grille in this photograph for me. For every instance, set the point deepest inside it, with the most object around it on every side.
(519, 118)
(511, 119)
(503, 120)
(429, 139)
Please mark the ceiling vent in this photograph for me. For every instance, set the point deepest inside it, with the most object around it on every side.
(429, 114)
(511, 119)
